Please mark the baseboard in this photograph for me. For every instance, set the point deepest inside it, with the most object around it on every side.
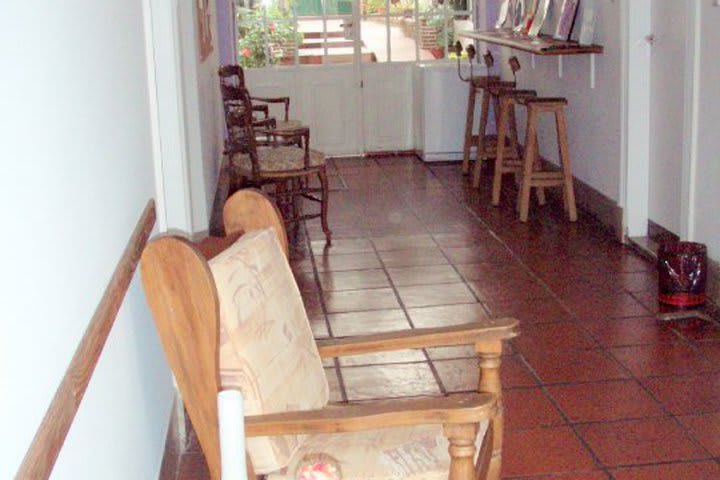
(660, 234)
(596, 204)
(441, 156)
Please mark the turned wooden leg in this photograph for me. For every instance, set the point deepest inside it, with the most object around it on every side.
(325, 197)
(489, 355)
(500, 156)
(528, 163)
(469, 120)
(462, 450)
(568, 188)
(482, 132)
(540, 191)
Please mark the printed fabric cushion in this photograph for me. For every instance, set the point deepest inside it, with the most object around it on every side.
(278, 159)
(267, 349)
(408, 453)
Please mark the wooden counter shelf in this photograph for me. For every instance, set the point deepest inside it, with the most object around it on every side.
(542, 45)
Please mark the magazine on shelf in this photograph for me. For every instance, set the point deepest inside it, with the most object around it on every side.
(566, 19)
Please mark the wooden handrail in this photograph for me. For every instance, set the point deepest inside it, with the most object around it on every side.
(45, 447)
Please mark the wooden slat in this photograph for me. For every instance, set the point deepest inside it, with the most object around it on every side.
(45, 447)
(463, 408)
(543, 45)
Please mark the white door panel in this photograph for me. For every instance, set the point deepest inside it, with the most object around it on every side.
(387, 97)
(322, 97)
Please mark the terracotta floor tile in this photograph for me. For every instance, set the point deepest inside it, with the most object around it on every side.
(697, 330)
(614, 306)
(596, 475)
(514, 373)
(454, 240)
(637, 442)
(399, 356)
(544, 451)
(446, 315)
(605, 401)
(529, 409)
(553, 336)
(353, 280)
(306, 281)
(447, 353)
(367, 323)
(427, 275)
(313, 304)
(319, 326)
(342, 246)
(334, 383)
(662, 359)
(508, 290)
(619, 332)
(403, 242)
(388, 381)
(677, 471)
(687, 395)
(486, 252)
(353, 261)
(540, 310)
(432, 295)
(460, 375)
(706, 429)
(573, 367)
(493, 272)
(413, 257)
(360, 300)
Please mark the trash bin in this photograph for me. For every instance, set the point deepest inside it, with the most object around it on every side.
(682, 274)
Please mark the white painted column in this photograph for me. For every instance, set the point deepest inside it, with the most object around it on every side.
(636, 115)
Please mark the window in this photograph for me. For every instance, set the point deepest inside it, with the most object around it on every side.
(291, 32)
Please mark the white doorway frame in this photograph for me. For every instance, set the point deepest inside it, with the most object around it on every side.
(634, 184)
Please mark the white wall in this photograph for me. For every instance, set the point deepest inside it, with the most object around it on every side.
(203, 114)
(75, 144)
(594, 115)
(705, 201)
(667, 111)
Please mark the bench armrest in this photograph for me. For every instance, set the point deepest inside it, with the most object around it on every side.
(456, 409)
(467, 334)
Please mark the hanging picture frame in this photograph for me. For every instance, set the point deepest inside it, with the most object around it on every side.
(541, 14)
(566, 19)
(204, 28)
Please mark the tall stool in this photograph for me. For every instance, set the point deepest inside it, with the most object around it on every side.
(507, 127)
(477, 85)
(491, 95)
(532, 174)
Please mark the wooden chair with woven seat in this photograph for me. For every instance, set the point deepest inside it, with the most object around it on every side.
(229, 315)
(232, 77)
(288, 167)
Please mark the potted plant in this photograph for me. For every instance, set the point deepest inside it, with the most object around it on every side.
(281, 38)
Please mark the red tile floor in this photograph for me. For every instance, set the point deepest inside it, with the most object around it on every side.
(595, 387)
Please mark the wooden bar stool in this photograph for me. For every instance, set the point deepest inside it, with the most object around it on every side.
(507, 127)
(531, 175)
(477, 86)
(491, 95)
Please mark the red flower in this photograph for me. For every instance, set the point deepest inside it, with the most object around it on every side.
(272, 27)
(246, 52)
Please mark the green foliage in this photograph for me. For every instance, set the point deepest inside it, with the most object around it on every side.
(373, 6)
(442, 20)
(253, 27)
